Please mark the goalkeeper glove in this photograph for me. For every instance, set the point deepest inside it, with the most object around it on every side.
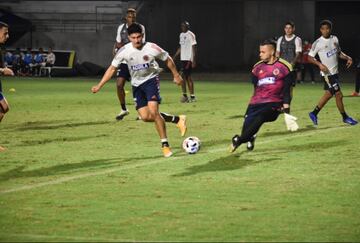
(290, 122)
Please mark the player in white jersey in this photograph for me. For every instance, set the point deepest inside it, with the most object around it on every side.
(328, 49)
(144, 70)
(123, 71)
(187, 51)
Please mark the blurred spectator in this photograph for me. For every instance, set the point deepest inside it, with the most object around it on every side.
(17, 61)
(38, 62)
(27, 63)
(8, 59)
(50, 58)
(305, 64)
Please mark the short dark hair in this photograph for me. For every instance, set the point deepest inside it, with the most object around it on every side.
(326, 22)
(2, 24)
(186, 23)
(131, 10)
(270, 42)
(134, 28)
(291, 23)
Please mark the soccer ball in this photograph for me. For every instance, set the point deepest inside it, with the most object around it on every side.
(191, 145)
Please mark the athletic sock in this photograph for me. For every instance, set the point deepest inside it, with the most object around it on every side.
(123, 107)
(344, 115)
(316, 110)
(192, 96)
(185, 95)
(170, 118)
(164, 142)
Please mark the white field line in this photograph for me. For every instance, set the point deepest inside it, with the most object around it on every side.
(157, 161)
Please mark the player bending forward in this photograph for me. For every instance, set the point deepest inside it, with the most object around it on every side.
(144, 71)
(272, 80)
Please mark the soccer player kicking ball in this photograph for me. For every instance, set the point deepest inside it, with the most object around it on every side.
(272, 80)
(144, 71)
(328, 49)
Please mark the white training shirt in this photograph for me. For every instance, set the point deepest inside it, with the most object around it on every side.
(118, 33)
(187, 40)
(298, 44)
(328, 51)
(142, 64)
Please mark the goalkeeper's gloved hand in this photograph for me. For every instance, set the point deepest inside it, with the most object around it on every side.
(290, 122)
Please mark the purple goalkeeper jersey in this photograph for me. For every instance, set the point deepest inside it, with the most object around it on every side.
(271, 81)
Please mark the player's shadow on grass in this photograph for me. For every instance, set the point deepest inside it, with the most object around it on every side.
(34, 123)
(62, 169)
(210, 143)
(227, 163)
(311, 147)
(27, 127)
(60, 139)
(236, 117)
(285, 132)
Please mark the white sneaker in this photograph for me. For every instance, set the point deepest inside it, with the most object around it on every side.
(122, 114)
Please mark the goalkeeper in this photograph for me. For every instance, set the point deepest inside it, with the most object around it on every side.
(272, 79)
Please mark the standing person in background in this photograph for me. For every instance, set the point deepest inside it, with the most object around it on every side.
(306, 65)
(123, 70)
(187, 51)
(328, 49)
(4, 106)
(357, 81)
(289, 48)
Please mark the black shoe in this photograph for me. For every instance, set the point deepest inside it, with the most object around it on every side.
(235, 143)
(251, 144)
(122, 114)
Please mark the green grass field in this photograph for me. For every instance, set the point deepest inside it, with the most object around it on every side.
(73, 173)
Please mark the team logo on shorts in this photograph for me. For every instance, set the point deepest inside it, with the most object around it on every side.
(261, 71)
(276, 71)
(146, 58)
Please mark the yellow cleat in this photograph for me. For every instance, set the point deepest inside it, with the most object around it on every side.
(182, 125)
(166, 151)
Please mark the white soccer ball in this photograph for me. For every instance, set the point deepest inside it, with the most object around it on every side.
(191, 145)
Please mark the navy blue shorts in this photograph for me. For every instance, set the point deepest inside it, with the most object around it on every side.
(148, 91)
(123, 72)
(334, 85)
(186, 67)
(267, 111)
